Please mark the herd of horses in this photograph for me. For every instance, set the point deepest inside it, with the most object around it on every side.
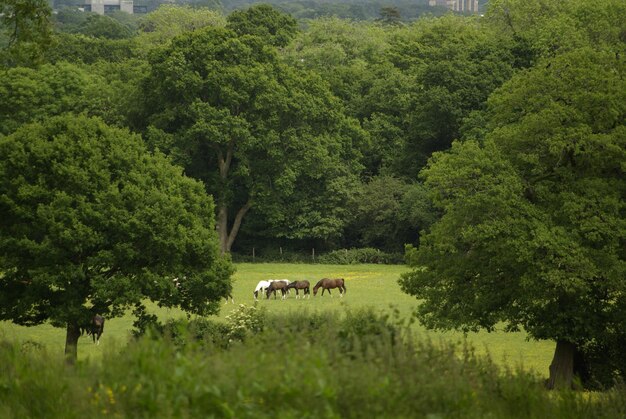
(271, 286)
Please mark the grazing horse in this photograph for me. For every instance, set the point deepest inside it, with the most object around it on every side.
(305, 286)
(96, 328)
(260, 287)
(327, 284)
(275, 286)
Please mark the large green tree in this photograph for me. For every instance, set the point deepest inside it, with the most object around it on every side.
(533, 231)
(92, 223)
(260, 134)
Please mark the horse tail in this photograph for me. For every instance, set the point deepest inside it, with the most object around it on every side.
(343, 284)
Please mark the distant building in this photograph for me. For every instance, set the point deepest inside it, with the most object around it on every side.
(467, 6)
(107, 6)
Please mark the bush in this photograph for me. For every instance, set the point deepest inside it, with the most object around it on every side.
(199, 330)
(364, 255)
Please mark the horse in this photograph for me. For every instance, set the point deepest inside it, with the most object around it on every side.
(260, 287)
(96, 327)
(327, 284)
(305, 286)
(286, 281)
(277, 285)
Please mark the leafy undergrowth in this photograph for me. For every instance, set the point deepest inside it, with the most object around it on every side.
(362, 364)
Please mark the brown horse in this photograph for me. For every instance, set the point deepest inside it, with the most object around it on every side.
(327, 284)
(275, 286)
(305, 286)
(95, 328)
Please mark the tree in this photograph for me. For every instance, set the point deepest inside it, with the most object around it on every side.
(94, 224)
(533, 231)
(390, 213)
(159, 27)
(30, 95)
(26, 24)
(390, 15)
(453, 64)
(544, 28)
(99, 26)
(258, 133)
(264, 21)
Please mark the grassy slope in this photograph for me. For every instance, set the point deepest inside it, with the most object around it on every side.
(367, 285)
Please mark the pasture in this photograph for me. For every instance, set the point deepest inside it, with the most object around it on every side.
(367, 285)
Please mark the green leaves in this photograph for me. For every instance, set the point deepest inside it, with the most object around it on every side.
(533, 227)
(91, 216)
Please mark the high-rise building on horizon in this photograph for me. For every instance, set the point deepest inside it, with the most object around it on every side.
(467, 6)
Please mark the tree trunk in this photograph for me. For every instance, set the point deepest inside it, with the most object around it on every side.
(227, 238)
(222, 227)
(562, 366)
(236, 225)
(71, 343)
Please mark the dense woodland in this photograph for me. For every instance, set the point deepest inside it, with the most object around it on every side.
(494, 146)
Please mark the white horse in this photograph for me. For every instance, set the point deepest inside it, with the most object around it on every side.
(260, 287)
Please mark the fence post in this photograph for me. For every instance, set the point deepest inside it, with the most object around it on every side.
(253, 255)
(313, 254)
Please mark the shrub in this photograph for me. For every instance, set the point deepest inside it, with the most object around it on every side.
(364, 255)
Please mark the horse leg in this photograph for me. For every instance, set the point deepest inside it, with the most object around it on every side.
(331, 294)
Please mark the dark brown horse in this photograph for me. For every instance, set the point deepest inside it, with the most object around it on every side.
(275, 286)
(328, 283)
(96, 327)
(305, 286)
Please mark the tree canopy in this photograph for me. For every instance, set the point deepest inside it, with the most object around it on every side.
(533, 231)
(257, 132)
(94, 224)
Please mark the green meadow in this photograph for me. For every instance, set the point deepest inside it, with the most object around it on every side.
(367, 286)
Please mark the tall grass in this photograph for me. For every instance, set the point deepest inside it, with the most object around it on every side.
(316, 365)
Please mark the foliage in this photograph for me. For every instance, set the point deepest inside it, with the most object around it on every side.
(158, 28)
(545, 28)
(308, 366)
(245, 321)
(183, 332)
(261, 135)
(26, 24)
(99, 26)
(78, 48)
(452, 64)
(30, 95)
(356, 256)
(390, 212)
(533, 229)
(264, 21)
(93, 223)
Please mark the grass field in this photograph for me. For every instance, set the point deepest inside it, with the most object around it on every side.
(367, 285)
